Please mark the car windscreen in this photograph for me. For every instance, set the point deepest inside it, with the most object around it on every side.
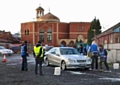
(68, 51)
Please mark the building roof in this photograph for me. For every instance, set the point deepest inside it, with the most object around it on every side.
(39, 8)
(49, 17)
(109, 30)
(113, 27)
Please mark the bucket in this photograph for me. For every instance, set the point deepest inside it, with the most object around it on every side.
(115, 65)
(57, 71)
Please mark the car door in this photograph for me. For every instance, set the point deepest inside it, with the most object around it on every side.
(57, 57)
(54, 57)
(51, 56)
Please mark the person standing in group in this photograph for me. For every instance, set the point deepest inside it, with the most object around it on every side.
(93, 50)
(38, 53)
(81, 49)
(24, 55)
(103, 58)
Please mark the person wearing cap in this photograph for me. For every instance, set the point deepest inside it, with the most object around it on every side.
(24, 55)
(38, 53)
(103, 58)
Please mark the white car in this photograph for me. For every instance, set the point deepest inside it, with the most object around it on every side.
(3, 50)
(67, 57)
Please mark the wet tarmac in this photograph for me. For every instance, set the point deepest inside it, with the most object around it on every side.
(10, 74)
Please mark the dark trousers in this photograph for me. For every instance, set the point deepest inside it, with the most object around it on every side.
(38, 61)
(105, 63)
(94, 61)
(24, 63)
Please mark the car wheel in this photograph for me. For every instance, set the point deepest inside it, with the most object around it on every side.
(63, 65)
(47, 62)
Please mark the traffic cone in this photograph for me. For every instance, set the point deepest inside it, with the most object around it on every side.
(4, 58)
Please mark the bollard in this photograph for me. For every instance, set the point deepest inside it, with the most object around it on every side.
(57, 71)
(115, 65)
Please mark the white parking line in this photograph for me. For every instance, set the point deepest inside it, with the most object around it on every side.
(112, 79)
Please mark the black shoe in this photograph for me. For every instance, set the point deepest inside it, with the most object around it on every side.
(26, 70)
(22, 70)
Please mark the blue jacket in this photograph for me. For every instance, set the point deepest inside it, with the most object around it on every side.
(93, 48)
(23, 50)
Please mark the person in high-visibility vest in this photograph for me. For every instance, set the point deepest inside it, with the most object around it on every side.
(38, 53)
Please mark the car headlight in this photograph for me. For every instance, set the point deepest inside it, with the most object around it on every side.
(72, 61)
(11, 51)
(89, 60)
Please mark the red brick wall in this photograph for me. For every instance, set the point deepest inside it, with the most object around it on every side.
(27, 26)
(77, 28)
(63, 30)
(46, 26)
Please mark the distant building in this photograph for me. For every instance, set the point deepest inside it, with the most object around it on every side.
(48, 29)
(111, 41)
(110, 36)
(7, 37)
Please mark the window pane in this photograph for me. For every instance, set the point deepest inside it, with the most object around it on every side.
(25, 32)
(41, 37)
(49, 35)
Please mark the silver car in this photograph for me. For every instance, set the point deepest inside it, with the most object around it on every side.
(67, 57)
(3, 50)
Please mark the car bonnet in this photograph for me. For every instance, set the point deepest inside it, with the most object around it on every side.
(75, 57)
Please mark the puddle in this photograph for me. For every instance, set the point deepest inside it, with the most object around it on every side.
(77, 72)
(112, 79)
(31, 61)
(12, 64)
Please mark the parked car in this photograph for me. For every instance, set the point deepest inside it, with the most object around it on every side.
(3, 50)
(66, 58)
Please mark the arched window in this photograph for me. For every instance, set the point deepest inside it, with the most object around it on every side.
(41, 37)
(27, 32)
(49, 35)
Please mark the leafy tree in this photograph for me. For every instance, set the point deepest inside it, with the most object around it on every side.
(95, 29)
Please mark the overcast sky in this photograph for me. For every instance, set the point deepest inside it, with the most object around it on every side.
(15, 12)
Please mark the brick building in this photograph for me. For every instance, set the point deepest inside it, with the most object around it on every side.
(51, 31)
(110, 36)
(111, 41)
(7, 37)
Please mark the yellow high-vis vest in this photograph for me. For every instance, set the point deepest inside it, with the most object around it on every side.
(37, 50)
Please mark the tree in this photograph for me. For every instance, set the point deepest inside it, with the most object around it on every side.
(95, 29)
